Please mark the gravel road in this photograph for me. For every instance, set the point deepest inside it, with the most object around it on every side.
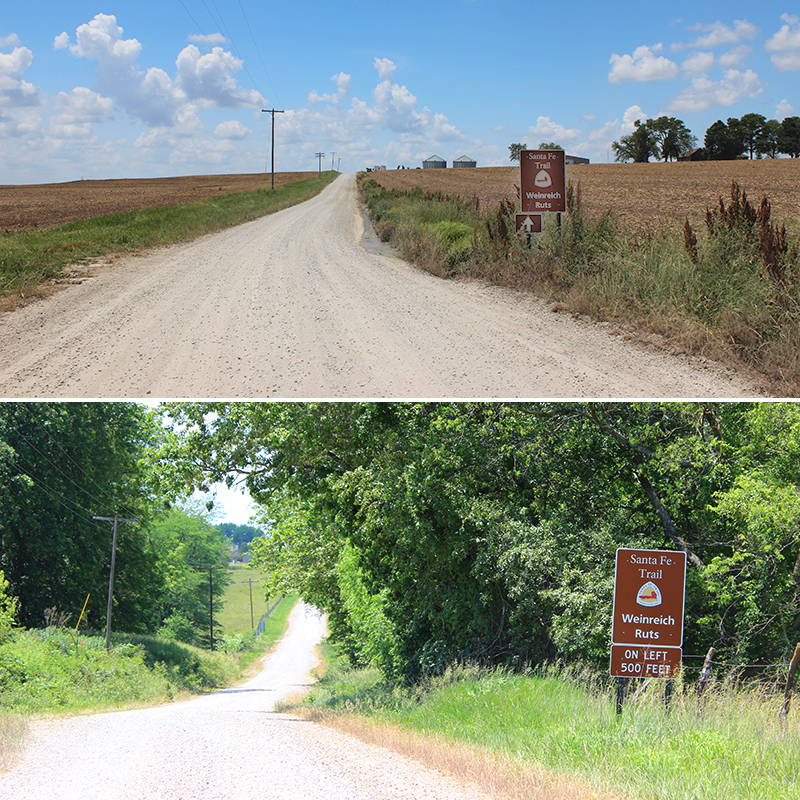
(230, 745)
(294, 305)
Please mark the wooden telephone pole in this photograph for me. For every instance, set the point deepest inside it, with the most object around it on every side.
(272, 111)
(115, 519)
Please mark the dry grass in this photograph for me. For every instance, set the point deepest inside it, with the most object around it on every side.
(13, 730)
(493, 773)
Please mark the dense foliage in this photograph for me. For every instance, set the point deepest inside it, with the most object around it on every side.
(61, 465)
(436, 532)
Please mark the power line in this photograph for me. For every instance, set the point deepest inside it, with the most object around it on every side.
(255, 42)
(211, 45)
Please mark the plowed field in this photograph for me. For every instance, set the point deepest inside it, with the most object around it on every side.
(24, 208)
(640, 195)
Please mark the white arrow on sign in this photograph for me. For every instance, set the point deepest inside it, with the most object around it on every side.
(528, 225)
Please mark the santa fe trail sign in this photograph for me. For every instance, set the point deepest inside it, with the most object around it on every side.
(543, 182)
(647, 624)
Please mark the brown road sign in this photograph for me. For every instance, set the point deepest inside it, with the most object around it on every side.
(543, 183)
(528, 223)
(649, 590)
(644, 661)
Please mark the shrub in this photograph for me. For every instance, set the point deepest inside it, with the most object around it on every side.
(9, 606)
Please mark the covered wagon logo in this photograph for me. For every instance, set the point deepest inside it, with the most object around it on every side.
(649, 595)
(543, 179)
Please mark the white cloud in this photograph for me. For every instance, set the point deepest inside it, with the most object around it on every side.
(783, 109)
(698, 63)
(152, 96)
(785, 45)
(82, 106)
(385, 68)
(630, 116)
(12, 40)
(547, 130)
(208, 79)
(211, 39)
(61, 42)
(718, 33)
(342, 81)
(643, 66)
(736, 57)
(232, 129)
(704, 93)
(15, 91)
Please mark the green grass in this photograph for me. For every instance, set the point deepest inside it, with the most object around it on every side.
(732, 748)
(235, 616)
(30, 257)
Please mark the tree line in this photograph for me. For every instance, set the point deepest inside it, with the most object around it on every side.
(668, 138)
(62, 464)
(429, 532)
(441, 532)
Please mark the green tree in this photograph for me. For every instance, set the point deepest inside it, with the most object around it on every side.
(638, 146)
(549, 146)
(769, 143)
(514, 151)
(789, 137)
(186, 546)
(724, 142)
(753, 131)
(672, 136)
(61, 464)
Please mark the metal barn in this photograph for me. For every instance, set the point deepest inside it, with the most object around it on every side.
(434, 162)
(465, 162)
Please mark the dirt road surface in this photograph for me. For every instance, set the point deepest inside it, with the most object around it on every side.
(228, 745)
(294, 305)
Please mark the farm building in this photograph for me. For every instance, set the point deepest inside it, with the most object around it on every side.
(575, 160)
(465, 162)
(698, 154)
(434, 162)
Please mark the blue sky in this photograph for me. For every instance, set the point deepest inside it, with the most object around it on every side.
(141, 89)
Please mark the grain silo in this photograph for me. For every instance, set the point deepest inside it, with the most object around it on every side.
(465, 162)
(434, 162)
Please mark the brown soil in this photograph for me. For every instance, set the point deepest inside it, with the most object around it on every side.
(642, 196)
(24, 208)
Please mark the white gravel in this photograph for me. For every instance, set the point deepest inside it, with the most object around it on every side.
(230, 745)
(292, 305)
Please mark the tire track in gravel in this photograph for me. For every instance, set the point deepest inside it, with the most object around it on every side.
(292, 305)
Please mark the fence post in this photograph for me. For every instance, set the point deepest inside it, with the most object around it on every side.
(669, 689)
(705, 673)
(784, 712)
(622, 685)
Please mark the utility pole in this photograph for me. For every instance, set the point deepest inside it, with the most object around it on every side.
(320, 156)
(115, 519)
(332, 157)
(272, 111)
(210, 569)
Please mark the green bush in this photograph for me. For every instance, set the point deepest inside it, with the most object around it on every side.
(8, 608)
